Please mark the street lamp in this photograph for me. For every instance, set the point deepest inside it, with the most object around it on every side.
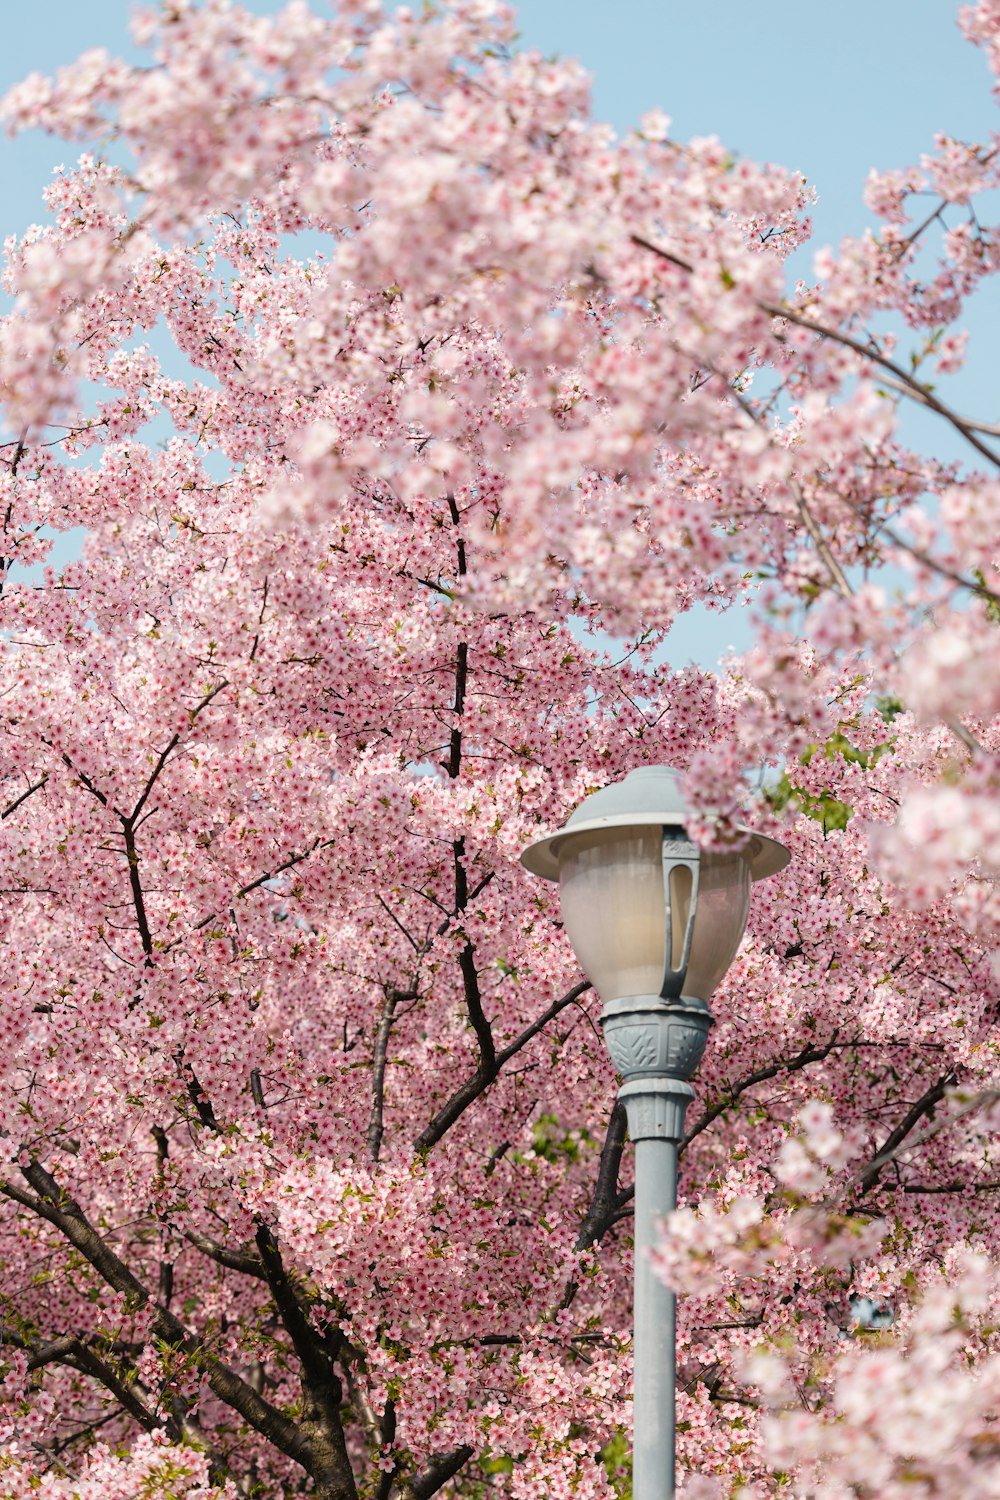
(655, 923)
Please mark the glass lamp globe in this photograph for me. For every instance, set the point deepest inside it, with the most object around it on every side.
(612, 859)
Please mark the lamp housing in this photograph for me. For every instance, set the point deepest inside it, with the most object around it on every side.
(648, 912)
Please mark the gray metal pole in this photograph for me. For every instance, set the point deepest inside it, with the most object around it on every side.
(656, 1046)
(656, 1124)
(654, 1341)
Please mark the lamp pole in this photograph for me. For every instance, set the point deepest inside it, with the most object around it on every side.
(655, 923)
(656, 1048)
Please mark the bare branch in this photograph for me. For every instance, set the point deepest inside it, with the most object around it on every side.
(13, 806)
(286, 864)
(387, 1436)
(76, 1353)
(81, 776)
(135, 885)
(316, 1367)
(233, 1260)
(911, 387)
(821, 544)
(260, 621)
(906, 382)
(328, 1463)
(470, 974)
(924, 1106)
(62, 1211)
(836, 572)
(950, 1187)
(166, 753)
(524, 1037)
(255, 884)
(379, 1059)
(803, 1059)
(454, 765)
(443, 1466)
(972, 585)
(480, 1081)
(604, 1204)
(362, 1409)
(605, 1198)
(988, 429)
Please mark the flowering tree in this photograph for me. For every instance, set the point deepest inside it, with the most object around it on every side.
(405, 409)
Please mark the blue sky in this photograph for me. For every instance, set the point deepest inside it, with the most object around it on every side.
(829, 89)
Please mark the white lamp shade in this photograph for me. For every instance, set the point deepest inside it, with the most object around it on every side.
(611, 892)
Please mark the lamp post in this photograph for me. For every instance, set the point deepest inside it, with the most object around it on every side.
(655, 923)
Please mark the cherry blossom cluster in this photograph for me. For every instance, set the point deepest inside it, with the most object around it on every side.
(404, 409)
(902, 1399)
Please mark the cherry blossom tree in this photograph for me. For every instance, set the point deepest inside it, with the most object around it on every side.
(404, 409)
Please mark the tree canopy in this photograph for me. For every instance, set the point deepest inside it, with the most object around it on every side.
(405, 408)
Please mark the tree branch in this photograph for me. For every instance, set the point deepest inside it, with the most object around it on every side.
(454, 765)
(260, 620)
(480, 1081)
(604, 1203)
(924, 1105)
(165, 754)
(386, 1438)
(988, 429)
(316, 1367)
(13, 806)
(62, 1211)
(379, 1060)
(442, 1467)
(803, 1059)
(233, 1260)
(950, 1187)
(253, 885)
(470, 974)
(322, 1393)
(74, 1352)
(286, 864)
(807, 1056)
(135, 884)
(905, 381)
(605, 1198)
